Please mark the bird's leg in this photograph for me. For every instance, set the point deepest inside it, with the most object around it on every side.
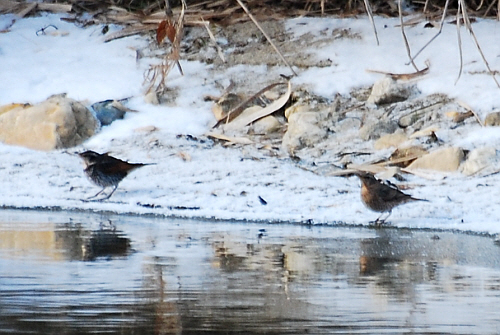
(110, 194)
(378, 222)
(97, 193)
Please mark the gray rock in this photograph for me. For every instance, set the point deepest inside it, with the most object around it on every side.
(108, 111)
(388, 90)
(376, 130)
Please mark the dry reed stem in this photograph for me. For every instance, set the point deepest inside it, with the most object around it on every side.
(437, 34)
(212, 37)
(265, 34)
(471, 31)
(156, 75)
(372, 21)
(408, 51)
(459, 40)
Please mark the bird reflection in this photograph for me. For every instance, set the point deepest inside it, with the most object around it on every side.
(106, 242)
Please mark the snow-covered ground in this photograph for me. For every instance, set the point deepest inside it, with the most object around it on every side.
(225, 183)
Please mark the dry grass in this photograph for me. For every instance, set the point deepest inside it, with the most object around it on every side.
(229, 11)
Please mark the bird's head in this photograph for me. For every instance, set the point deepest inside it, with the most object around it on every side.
(367, 178)
(90, 157)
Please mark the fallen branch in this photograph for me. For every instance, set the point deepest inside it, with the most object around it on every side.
(403, 76)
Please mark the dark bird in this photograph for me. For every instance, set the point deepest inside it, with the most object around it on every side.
(381, 197)
(106, 171)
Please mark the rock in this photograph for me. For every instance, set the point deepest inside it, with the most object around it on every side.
(481, 161)
(402, 157)
(444, 160)
(152, 98)
(304, 130)
(492, 119)
(226, 104)
(295, 109)
(346, 125)
(388, 90)
(55, 123)
(376, 130)
(429, 131)
(390, 140)
(266, 125)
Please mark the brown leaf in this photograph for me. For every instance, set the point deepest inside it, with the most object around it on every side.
(161, 31)
(165, 29)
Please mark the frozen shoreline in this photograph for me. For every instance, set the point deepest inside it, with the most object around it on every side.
(225, 183)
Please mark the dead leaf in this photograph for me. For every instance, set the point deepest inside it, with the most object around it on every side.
(231, 139)
(234, 113)
(165, 29)
(244, 120)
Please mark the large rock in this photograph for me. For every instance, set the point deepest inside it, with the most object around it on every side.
(444, 160)
(390, 140)
(304, 130)
(56, 123)
(481, 161)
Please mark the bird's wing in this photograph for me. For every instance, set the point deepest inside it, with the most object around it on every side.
(389, 193)
(112, 168)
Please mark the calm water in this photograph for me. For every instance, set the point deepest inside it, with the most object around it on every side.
(82, 274)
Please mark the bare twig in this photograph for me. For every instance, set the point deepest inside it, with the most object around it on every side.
(265, 34)
(370, 16)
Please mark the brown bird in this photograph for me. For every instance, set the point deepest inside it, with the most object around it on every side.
(105, 171)
(381, 197)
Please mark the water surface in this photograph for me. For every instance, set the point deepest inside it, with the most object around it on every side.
(71, 273)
